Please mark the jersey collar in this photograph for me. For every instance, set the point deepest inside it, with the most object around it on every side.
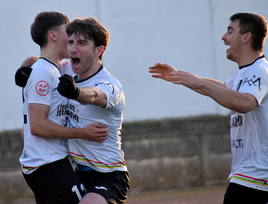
(48, 61)
(77, 80)
(241, 67)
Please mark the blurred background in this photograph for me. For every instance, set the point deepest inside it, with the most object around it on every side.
(173, 138)
(184, 33)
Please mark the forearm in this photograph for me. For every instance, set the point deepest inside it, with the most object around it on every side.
(48, 129)
(216, 82)
(41, 126)
(92, 95)
(228, 98)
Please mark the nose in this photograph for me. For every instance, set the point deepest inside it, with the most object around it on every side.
(223, 37)
(72, 48)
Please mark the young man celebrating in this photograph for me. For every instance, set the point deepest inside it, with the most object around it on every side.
(100, 166)
(246, 95)
(44, 161)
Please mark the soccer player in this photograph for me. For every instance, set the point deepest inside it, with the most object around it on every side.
(246, 95)
(95, 96)
(44, 160)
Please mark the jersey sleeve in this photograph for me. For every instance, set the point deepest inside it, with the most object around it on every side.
(39, 87)
(111, 91)
(255, 82)
(229, 82)
(66, 67)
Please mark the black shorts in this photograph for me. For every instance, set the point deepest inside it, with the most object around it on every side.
(112, 186)
(55, 183)
(238, 194)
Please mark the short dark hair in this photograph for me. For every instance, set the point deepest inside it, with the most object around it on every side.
(256, 24)
(43, 22)
(91, 29)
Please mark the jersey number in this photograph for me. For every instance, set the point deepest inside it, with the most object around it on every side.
(77, 191)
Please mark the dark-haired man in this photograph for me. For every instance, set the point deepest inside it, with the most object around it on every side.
(246, 95)
(44, 159)
(100, 166)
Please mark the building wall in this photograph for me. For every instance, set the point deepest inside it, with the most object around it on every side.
(185, 33)
(161, 154)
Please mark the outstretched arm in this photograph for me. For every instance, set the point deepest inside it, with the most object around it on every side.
(233, 100)
(214, 89)
(163, 71)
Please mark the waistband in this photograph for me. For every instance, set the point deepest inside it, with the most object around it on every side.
(83, 168)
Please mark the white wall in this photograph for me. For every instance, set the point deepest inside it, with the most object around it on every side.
(184, 33)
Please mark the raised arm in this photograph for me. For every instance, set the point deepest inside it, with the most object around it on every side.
(233, 100)
(85, 95)
(212, 88)
(162, 71)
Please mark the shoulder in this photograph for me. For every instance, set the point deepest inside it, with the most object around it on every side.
(107, 76)
(66, 67)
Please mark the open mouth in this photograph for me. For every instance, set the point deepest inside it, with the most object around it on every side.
(75, 60)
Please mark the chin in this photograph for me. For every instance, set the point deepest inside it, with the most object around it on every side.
(75, 71)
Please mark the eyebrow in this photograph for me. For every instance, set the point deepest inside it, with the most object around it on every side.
(82, 40)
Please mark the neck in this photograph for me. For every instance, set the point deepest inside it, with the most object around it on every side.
(249, 57)
(91, 70)
(51, 54)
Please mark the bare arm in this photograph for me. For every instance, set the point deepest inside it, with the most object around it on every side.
(92, 95)
(163, 71)
(214, 81)
(85, 95)
(29, 61)
(228, 98)
(41, 126)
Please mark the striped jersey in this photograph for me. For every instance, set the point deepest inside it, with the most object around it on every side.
(107, 156)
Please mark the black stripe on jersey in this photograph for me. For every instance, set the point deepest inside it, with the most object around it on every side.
(49, 61)
(106, 83)
(77, 80)
(25, 119)
(239, 85)
(251, 63)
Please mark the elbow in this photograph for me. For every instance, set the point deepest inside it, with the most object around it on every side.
(246, 107)
(246, 104)
(35, 130)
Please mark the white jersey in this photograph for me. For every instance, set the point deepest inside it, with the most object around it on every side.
(41, 89)
(249, 131)
(66, 67)
(106, 156)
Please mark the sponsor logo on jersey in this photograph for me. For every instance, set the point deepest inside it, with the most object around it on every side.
(42, 88)
(237, 143)
(254, 81)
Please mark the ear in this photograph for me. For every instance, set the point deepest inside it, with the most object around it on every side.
(52, 35)
(100, 49)
(247, 37)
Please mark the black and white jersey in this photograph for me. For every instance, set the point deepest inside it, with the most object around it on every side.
(249, 131)
(41, 88)
(106, 156)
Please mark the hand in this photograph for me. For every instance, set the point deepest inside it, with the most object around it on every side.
(162, 71)
(22, 75)
(67, 87)
(96, 132)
